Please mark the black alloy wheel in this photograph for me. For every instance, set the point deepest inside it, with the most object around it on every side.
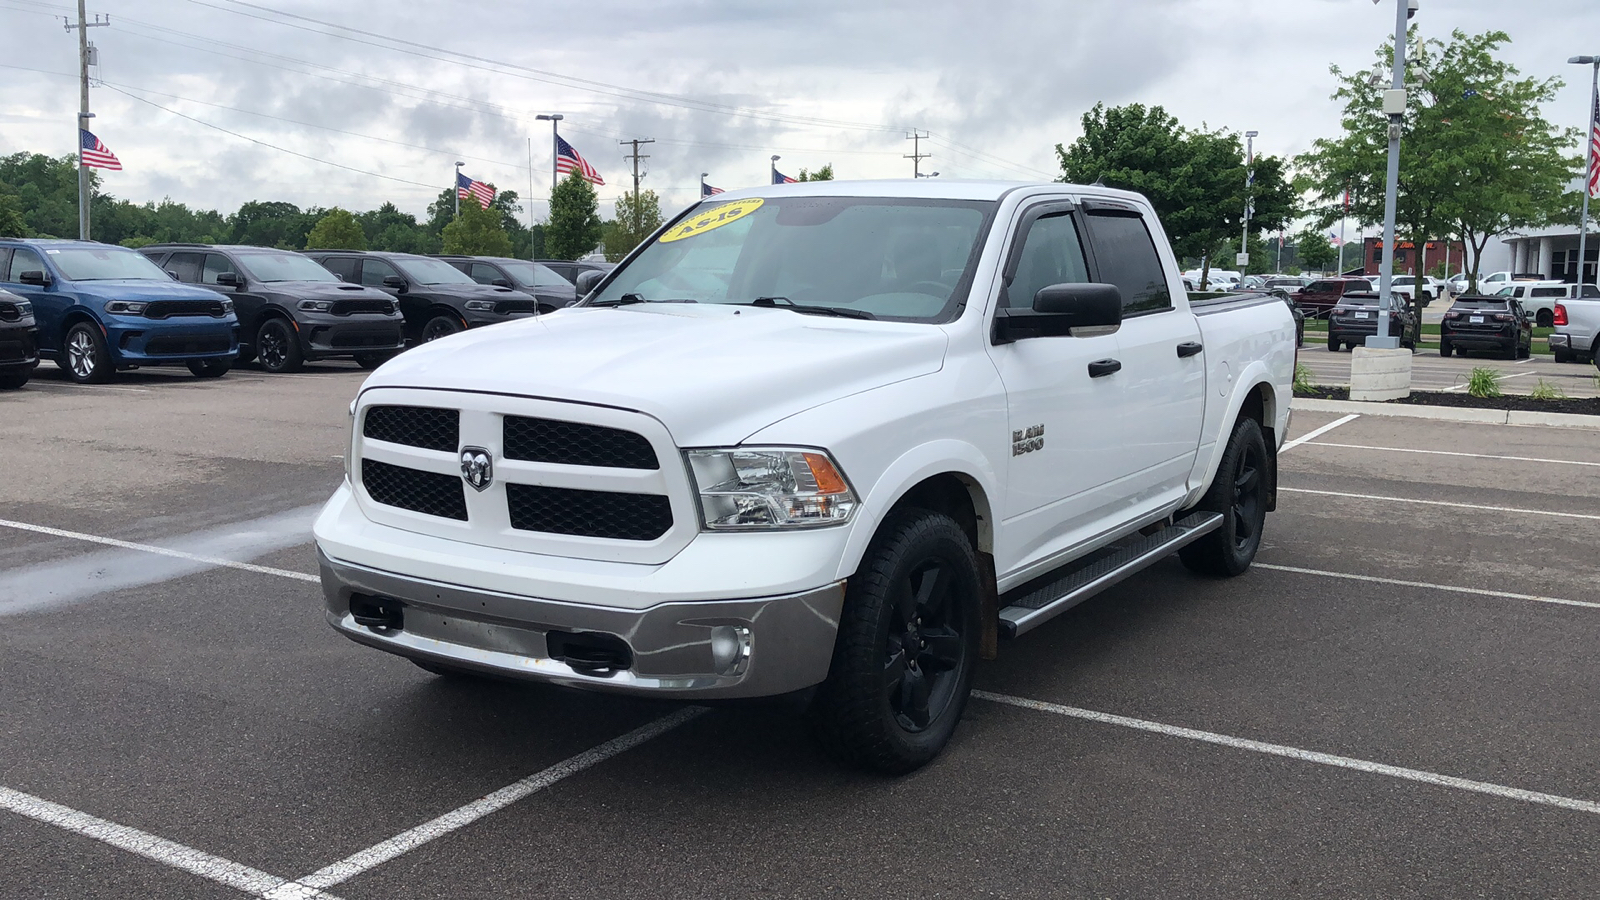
(278, 347)
(907, 647)
(84, 356)
(1239, 492)
(441, 326)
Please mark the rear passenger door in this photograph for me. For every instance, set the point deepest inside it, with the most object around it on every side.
(1163, 361)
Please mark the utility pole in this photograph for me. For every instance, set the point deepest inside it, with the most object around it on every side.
(635, 156)
(84, 115)
(916, 155)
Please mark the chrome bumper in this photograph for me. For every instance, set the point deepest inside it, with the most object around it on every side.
(785, 643)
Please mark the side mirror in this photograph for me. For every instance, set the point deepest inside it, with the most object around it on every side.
(229, 279)
(34, 276)
(173, 275)
(588, 280)
(394, 281)
(501, 282)
(1058, 309)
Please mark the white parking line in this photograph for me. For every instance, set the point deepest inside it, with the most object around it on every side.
(168, 853)
(1509, 509)
(410, 840)
(1316, 433)
(1375, 579)
(1531, 459)
(1326, 759)
(92, 387)
(151, 548)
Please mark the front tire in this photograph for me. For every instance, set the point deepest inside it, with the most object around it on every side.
(11, 379)
(84, 356)
(441, 326)
(1239, 493)
(209, 368)
(278, 347)
(372, 360)
(907, 647)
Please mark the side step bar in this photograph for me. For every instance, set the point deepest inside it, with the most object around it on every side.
(1044, 603)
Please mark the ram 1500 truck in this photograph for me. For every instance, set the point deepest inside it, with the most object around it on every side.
(1577, 323)
(828, 440)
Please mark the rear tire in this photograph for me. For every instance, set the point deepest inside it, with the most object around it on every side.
(1544, 318)
(1333, 345)
(1444, 347)
(210, 368)
(278, 347)
(84, 356)
(1239, 492)
(907, 647)
(1562, 356)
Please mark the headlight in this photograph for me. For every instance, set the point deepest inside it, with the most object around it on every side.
(316, 305)
(227, 306)
(481, 305)
(24, 308)
(762, 488)
(125, 308)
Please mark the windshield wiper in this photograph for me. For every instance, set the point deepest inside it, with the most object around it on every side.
(786, 303)
(630, 298)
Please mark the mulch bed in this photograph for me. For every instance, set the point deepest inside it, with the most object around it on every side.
(1587, 406)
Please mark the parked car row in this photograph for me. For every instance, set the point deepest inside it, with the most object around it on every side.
(97, 309)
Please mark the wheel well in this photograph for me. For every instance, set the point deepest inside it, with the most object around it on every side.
(438, 309)
(960, 498)
(72, 318)
(271, 312)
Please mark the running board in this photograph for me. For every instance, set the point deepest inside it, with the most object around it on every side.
(1053, 598)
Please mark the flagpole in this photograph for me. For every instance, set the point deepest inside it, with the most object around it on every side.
(1588, 174)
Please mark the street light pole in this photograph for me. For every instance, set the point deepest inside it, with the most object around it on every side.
(1249, 181)
(1588, 164)
(1394, 103)
(455, 189)
(555, 148)
(773, 178)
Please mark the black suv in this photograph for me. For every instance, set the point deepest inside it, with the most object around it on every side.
(290, 309)
(437, 298)
(1355, 317)
(552, 291)
(1498, 324)
(19, 341)
(571, 269)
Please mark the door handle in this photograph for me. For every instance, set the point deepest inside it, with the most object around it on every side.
(1189, 348)
(1103, 367)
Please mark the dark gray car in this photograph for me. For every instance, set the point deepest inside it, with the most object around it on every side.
(545, 284)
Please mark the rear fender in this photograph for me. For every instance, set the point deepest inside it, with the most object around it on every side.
(1275, 418)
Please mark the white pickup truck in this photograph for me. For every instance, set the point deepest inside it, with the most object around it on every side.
(1577, 324)
(829, 440)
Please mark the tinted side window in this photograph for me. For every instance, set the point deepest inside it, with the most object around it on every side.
(374, 271)
(1322, 287)
(1589, 290)
(1051, 254)
(1126, 257)
(216, 264)
(186, 266)
(343, 266)
(563, 271)
(5, 263)
(483, 274)
(1549, 292)
(24, 260)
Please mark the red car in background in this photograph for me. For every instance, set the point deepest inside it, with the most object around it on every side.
(1324, 294)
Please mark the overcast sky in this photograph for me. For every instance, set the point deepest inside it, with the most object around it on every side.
(997, 84)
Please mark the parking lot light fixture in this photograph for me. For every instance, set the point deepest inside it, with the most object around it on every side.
(455, 190)
(1394, 105)
(1588, 162)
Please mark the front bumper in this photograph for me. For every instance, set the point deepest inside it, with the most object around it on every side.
(785, 643)
(19, 345)
(143, 342)
(322, 336)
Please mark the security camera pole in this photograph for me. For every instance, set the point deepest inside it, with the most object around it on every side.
(1394, 103)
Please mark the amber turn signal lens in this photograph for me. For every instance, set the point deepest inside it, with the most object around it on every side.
(829, 481)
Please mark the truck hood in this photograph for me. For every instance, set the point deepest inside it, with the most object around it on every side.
(137, 289)
(468, 292)
(324, 290)
(712, 374)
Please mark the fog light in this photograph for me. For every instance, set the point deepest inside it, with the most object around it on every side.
(730, 649)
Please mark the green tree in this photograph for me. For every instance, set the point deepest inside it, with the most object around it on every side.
(477, 231)
(11, 221)
(337, 230)
(1314, 251)
(1477, 157)
(271, 224)
(1195, 178)
(635, 221)
(574, 227)
(823, 174)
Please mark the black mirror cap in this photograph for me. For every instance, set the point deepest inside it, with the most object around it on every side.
(229, 279)
(34, 276)
(587, 280)
(501, 282)
(394, 281)
(1059, 308)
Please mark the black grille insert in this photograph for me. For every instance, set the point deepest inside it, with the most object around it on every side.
(350, 307)
(10, 313)
(414, 426)
(576, 444)
(184, 345)
(601, 514)
(166, 309)
(506, 307)
(425, 492)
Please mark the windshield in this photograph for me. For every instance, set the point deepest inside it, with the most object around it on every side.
(104, 264)
(432, 271)
(1506, 292)
(1404, 280)
(284, 267)
(869, 257)
(527, 274)
(1358, 301)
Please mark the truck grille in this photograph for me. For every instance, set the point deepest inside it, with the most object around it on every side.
(600, 514)
(576, 444)
(10, 313)
(352, 307)
(188, 345)
(506, 307)
(429, 493)
(166, 309)
(414, 426)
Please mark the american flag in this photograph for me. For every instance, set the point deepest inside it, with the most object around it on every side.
(780, 178)
(1594, 151)
(1335, 239)
(471, 187)
(96, 155)
(568, 161)
(707, 190)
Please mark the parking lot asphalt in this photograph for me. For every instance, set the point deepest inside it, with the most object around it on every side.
(1432, 372)
(1399, 700)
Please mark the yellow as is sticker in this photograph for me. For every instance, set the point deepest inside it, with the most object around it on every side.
(715, 217)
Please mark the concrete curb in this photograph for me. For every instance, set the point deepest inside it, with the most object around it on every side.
(1450, 413)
